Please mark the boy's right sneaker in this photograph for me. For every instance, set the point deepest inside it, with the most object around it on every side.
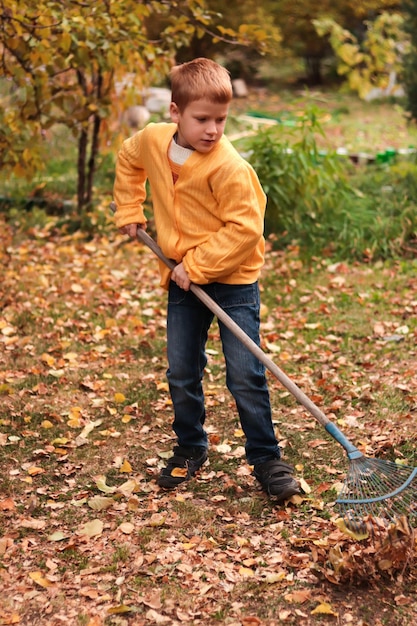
(276, 478)
(182, 466)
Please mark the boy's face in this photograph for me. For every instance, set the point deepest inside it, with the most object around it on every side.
(200, 125)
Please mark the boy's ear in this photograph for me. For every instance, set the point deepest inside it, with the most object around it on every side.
(174, 112)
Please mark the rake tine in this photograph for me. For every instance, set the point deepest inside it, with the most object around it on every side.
(378, 489)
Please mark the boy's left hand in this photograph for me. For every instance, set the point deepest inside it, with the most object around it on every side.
(180, 276)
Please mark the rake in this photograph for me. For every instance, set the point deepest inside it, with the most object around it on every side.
(373, 487)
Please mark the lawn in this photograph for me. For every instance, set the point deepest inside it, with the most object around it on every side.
(88, 538)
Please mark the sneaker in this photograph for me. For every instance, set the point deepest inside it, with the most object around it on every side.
(276, 479)
(182, 466)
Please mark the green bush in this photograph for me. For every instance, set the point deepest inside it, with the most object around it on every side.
(380, 220)
(321, 203)
(304, 185)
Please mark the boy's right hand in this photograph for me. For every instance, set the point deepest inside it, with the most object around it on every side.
(132, 229)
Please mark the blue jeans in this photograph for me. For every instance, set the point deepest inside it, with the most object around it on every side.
(188, 323)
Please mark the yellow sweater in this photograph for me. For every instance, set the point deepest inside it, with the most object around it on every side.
(212, 219)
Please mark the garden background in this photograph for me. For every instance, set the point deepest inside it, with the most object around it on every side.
(86, 536)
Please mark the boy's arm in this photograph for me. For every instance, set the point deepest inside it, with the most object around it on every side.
(129, 190)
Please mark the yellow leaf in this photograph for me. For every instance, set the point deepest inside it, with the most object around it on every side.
(179, 472)
(101, 484)
(47, 424)
(275, 577)
(57, 536)
(74, 416)
(246, 572)
(125, 468)
(126, 419)
(100, 503)
(121, 608)
(34, 471)
(127, 528)
(92, 529)
(48, 359)
(74, 422)
(324, 609)
(60, 441)
(359, 536)
(119, 398)
(128, 487)
(39, 579)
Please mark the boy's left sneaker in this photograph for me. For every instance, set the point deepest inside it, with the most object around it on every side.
(183, 465)
(276, 479)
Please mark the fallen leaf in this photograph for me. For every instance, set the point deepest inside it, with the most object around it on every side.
(127, 528)
(120, 608)
(100, 503)
(101, 484)
(304, 486)
(359, 536)
(91, 529)
(324, 609)
(57, 536)
(7, 504)
(298, 597)
(179, 472)
(40, 579)
(126, 467)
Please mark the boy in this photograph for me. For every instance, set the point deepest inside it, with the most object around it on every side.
(209, 214)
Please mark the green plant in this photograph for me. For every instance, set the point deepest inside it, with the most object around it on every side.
(318, 203)
(303, 184)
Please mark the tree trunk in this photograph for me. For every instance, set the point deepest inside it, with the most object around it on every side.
(81, 168)
(94, 146)
(313, 69)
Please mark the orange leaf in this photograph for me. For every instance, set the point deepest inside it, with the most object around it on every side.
(7, 505)
(179, 472)
(38, 578)
(298, 597)
(125, 467)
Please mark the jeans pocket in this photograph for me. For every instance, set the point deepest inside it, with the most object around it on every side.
(228, 296)
(176, 295)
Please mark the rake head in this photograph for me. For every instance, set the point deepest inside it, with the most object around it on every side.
(380, 489)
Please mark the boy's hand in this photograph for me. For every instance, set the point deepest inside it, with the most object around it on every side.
(180, 276)
(132, 229)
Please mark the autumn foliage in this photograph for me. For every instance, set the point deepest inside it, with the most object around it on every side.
(88, 537)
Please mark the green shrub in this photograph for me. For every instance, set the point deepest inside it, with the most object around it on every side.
(322, 204)
(381, 219)
(304, 186)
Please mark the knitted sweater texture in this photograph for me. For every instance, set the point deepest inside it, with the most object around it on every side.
(212, 219)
